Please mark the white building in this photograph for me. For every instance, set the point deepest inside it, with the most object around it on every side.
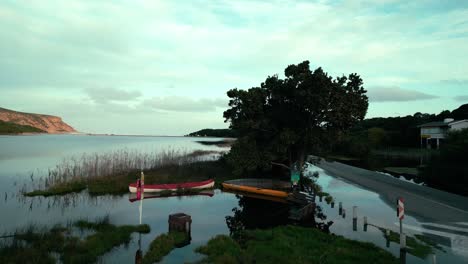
(433, 133)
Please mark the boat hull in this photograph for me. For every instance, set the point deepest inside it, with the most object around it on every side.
(256, 190)
(154, 188)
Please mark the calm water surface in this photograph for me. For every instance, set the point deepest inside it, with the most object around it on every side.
(21, 156)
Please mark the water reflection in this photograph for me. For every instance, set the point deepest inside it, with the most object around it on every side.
(265, 212)
(181, 222)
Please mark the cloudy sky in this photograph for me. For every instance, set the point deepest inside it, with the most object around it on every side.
(163, 67)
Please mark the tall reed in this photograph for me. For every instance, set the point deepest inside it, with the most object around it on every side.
(117, 163)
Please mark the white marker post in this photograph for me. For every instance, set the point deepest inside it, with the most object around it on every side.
(401, 215)
(142, 180)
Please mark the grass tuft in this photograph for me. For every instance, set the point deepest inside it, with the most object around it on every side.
(34, 245)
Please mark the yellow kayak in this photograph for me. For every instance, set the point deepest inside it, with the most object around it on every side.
(258, 186)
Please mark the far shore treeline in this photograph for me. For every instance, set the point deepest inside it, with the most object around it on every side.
(377, 132)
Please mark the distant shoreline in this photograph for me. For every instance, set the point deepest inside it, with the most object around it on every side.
(92, 134)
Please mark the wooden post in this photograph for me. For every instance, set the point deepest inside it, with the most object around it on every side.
(343, 213)
(365, 223)
(354, 218)
(340, 208)
(332, 204)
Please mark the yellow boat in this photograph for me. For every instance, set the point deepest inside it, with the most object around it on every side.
(267, 187)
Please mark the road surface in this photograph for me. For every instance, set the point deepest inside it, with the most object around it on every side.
(424, 203)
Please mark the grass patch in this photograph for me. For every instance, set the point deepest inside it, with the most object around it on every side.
(60, 189)
(220, 143)
(163, 245)
(329, 199)
(292, 244)
(36, 246)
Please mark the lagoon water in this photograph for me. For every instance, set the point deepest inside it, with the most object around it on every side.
(23, 159)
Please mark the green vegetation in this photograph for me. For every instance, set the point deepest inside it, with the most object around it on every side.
(220, 143)
(329, 199)
(449, 169)
(12, 128)
(163, 245)
(60, 189)
(419, 246)
(75, 177)
(283, 120)
(208, 132)
(391, 132)
(35, 245)
(292, 244)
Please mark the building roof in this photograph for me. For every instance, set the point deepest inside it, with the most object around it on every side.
(435, 124)
(442, 123)
(458, 121)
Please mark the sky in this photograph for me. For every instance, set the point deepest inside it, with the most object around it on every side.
(163, 67)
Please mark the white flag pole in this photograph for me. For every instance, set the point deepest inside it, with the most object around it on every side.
(142, 180)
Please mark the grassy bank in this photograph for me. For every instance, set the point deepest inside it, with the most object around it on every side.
(292, 244)
(112, 173)
(163, 245)
(35, 245)
(12, 128)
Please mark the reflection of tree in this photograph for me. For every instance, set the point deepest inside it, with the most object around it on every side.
(255, 213)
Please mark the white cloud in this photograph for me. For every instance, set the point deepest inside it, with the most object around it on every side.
(186, 104)
(166, 51)
(461, 98)
(396, 94)
(104, 95)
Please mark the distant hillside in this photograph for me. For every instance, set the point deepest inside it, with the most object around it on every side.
(44, 123)
(12, 128)
(208, 132)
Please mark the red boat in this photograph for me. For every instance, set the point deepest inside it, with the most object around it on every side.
(133, 197)
(173, 186)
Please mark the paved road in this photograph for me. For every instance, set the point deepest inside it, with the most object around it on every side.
(422, 202)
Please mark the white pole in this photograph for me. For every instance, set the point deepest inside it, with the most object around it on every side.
(402, 241)
(354, 212)
(142, 178)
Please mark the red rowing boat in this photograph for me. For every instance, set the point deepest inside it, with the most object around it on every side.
(133, 197)
(173, 186)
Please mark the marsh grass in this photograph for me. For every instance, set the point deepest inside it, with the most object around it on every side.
(292, 244)
(39, 245)
(163, 245)
(111, 173)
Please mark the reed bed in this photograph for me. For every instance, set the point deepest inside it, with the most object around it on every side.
(106, 170)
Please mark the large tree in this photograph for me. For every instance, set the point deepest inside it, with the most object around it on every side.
(284, 120)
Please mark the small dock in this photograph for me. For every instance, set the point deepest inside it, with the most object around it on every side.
(302, 206)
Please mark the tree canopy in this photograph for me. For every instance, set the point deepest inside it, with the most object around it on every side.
(283, 120)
